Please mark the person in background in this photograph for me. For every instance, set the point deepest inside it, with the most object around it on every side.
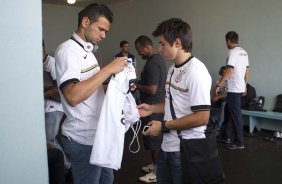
(124, 46)
(53, 107)
(152, 91)
(80, 79)
(236, 75)
(218, 103)
(188, 87)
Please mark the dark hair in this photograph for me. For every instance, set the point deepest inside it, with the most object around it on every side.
(220, 72)
(143, 40)
(94, 11)
(122, 43)
(174, 28)
(232, 36)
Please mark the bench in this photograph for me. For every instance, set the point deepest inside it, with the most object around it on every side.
(254, 117)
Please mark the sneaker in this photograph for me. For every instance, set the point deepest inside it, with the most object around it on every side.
(148, 168)
(149, 178)
(234, 147)
(221, 139)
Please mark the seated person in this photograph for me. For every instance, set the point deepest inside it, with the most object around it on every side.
(218, 103)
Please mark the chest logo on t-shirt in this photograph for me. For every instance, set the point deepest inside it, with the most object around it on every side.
(179, 77)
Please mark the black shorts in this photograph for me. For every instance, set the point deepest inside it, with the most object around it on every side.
(152, 143)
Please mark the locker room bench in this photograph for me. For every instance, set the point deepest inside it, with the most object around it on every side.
(255, 116)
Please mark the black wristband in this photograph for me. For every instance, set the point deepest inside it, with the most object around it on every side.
(164, 129)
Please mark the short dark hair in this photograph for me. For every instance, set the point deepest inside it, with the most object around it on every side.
(220, 72)
(94, 11)
(232, 36)
(122, 43)
(143, 40)
(174, 28)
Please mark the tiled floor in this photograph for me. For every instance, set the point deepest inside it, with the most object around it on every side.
(259, 163)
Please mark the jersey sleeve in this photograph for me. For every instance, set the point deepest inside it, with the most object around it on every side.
(232, 59)
(199, 87)
(68, 67)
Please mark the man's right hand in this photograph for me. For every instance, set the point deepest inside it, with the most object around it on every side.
(117, 65)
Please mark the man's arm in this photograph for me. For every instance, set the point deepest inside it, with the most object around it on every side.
(80, 91)
(226, 75)
(247, 74)
(146, 109)
(196, 119)
(149, 89)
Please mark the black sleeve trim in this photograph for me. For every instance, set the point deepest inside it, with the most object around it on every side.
(66, 83)
(201, 108)
(229, 66)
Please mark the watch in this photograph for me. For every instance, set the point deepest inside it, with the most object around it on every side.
(164, 129)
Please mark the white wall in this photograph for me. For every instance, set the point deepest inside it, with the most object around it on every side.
(23, 156)
(258, 23)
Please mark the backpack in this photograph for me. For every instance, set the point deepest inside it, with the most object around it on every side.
(278, 106)
(251, 94)
(256, 104)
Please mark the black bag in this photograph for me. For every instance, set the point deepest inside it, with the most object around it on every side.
(200, 159)
(251, 94)
(278, 106)
(256, 104)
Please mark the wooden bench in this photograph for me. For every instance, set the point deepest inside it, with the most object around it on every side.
(254, 117)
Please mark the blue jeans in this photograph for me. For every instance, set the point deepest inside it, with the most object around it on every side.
(217, 114)
(52, 124)
(169, 168)
(84, 172)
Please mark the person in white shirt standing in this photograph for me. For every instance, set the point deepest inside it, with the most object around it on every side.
(188, 85)
(80, 79)
(237, 75)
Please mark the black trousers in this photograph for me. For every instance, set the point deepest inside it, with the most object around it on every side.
(56, 166)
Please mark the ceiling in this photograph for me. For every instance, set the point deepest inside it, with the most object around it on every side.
(80, 3)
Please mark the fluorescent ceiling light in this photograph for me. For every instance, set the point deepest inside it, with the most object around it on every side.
(71, 1)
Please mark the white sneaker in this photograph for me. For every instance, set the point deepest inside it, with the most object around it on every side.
(148, 178)
(148, 168)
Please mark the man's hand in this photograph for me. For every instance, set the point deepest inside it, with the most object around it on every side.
(117, 65)
(154, 130)
(144, 110)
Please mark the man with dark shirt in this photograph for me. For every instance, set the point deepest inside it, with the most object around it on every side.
(152, 91)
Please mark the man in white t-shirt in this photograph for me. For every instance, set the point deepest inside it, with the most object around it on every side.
(237, 75)
(189, 83)
(80, 79)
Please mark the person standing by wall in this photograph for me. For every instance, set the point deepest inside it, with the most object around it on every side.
(124, 46)
(188, 86)
(152, 91)
(237, 75)
(80, 79)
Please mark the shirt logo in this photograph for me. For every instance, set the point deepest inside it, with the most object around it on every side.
(85, 56)
(179, 76)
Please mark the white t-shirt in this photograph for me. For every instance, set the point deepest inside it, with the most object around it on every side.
(239, 61)
(114, 121)
(190, 89)
(74, 64)
(49, 66)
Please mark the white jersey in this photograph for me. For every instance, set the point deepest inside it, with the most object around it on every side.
(189, 85)
(49, 66)
(74, 64)
(239, 61)
(114, 121)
